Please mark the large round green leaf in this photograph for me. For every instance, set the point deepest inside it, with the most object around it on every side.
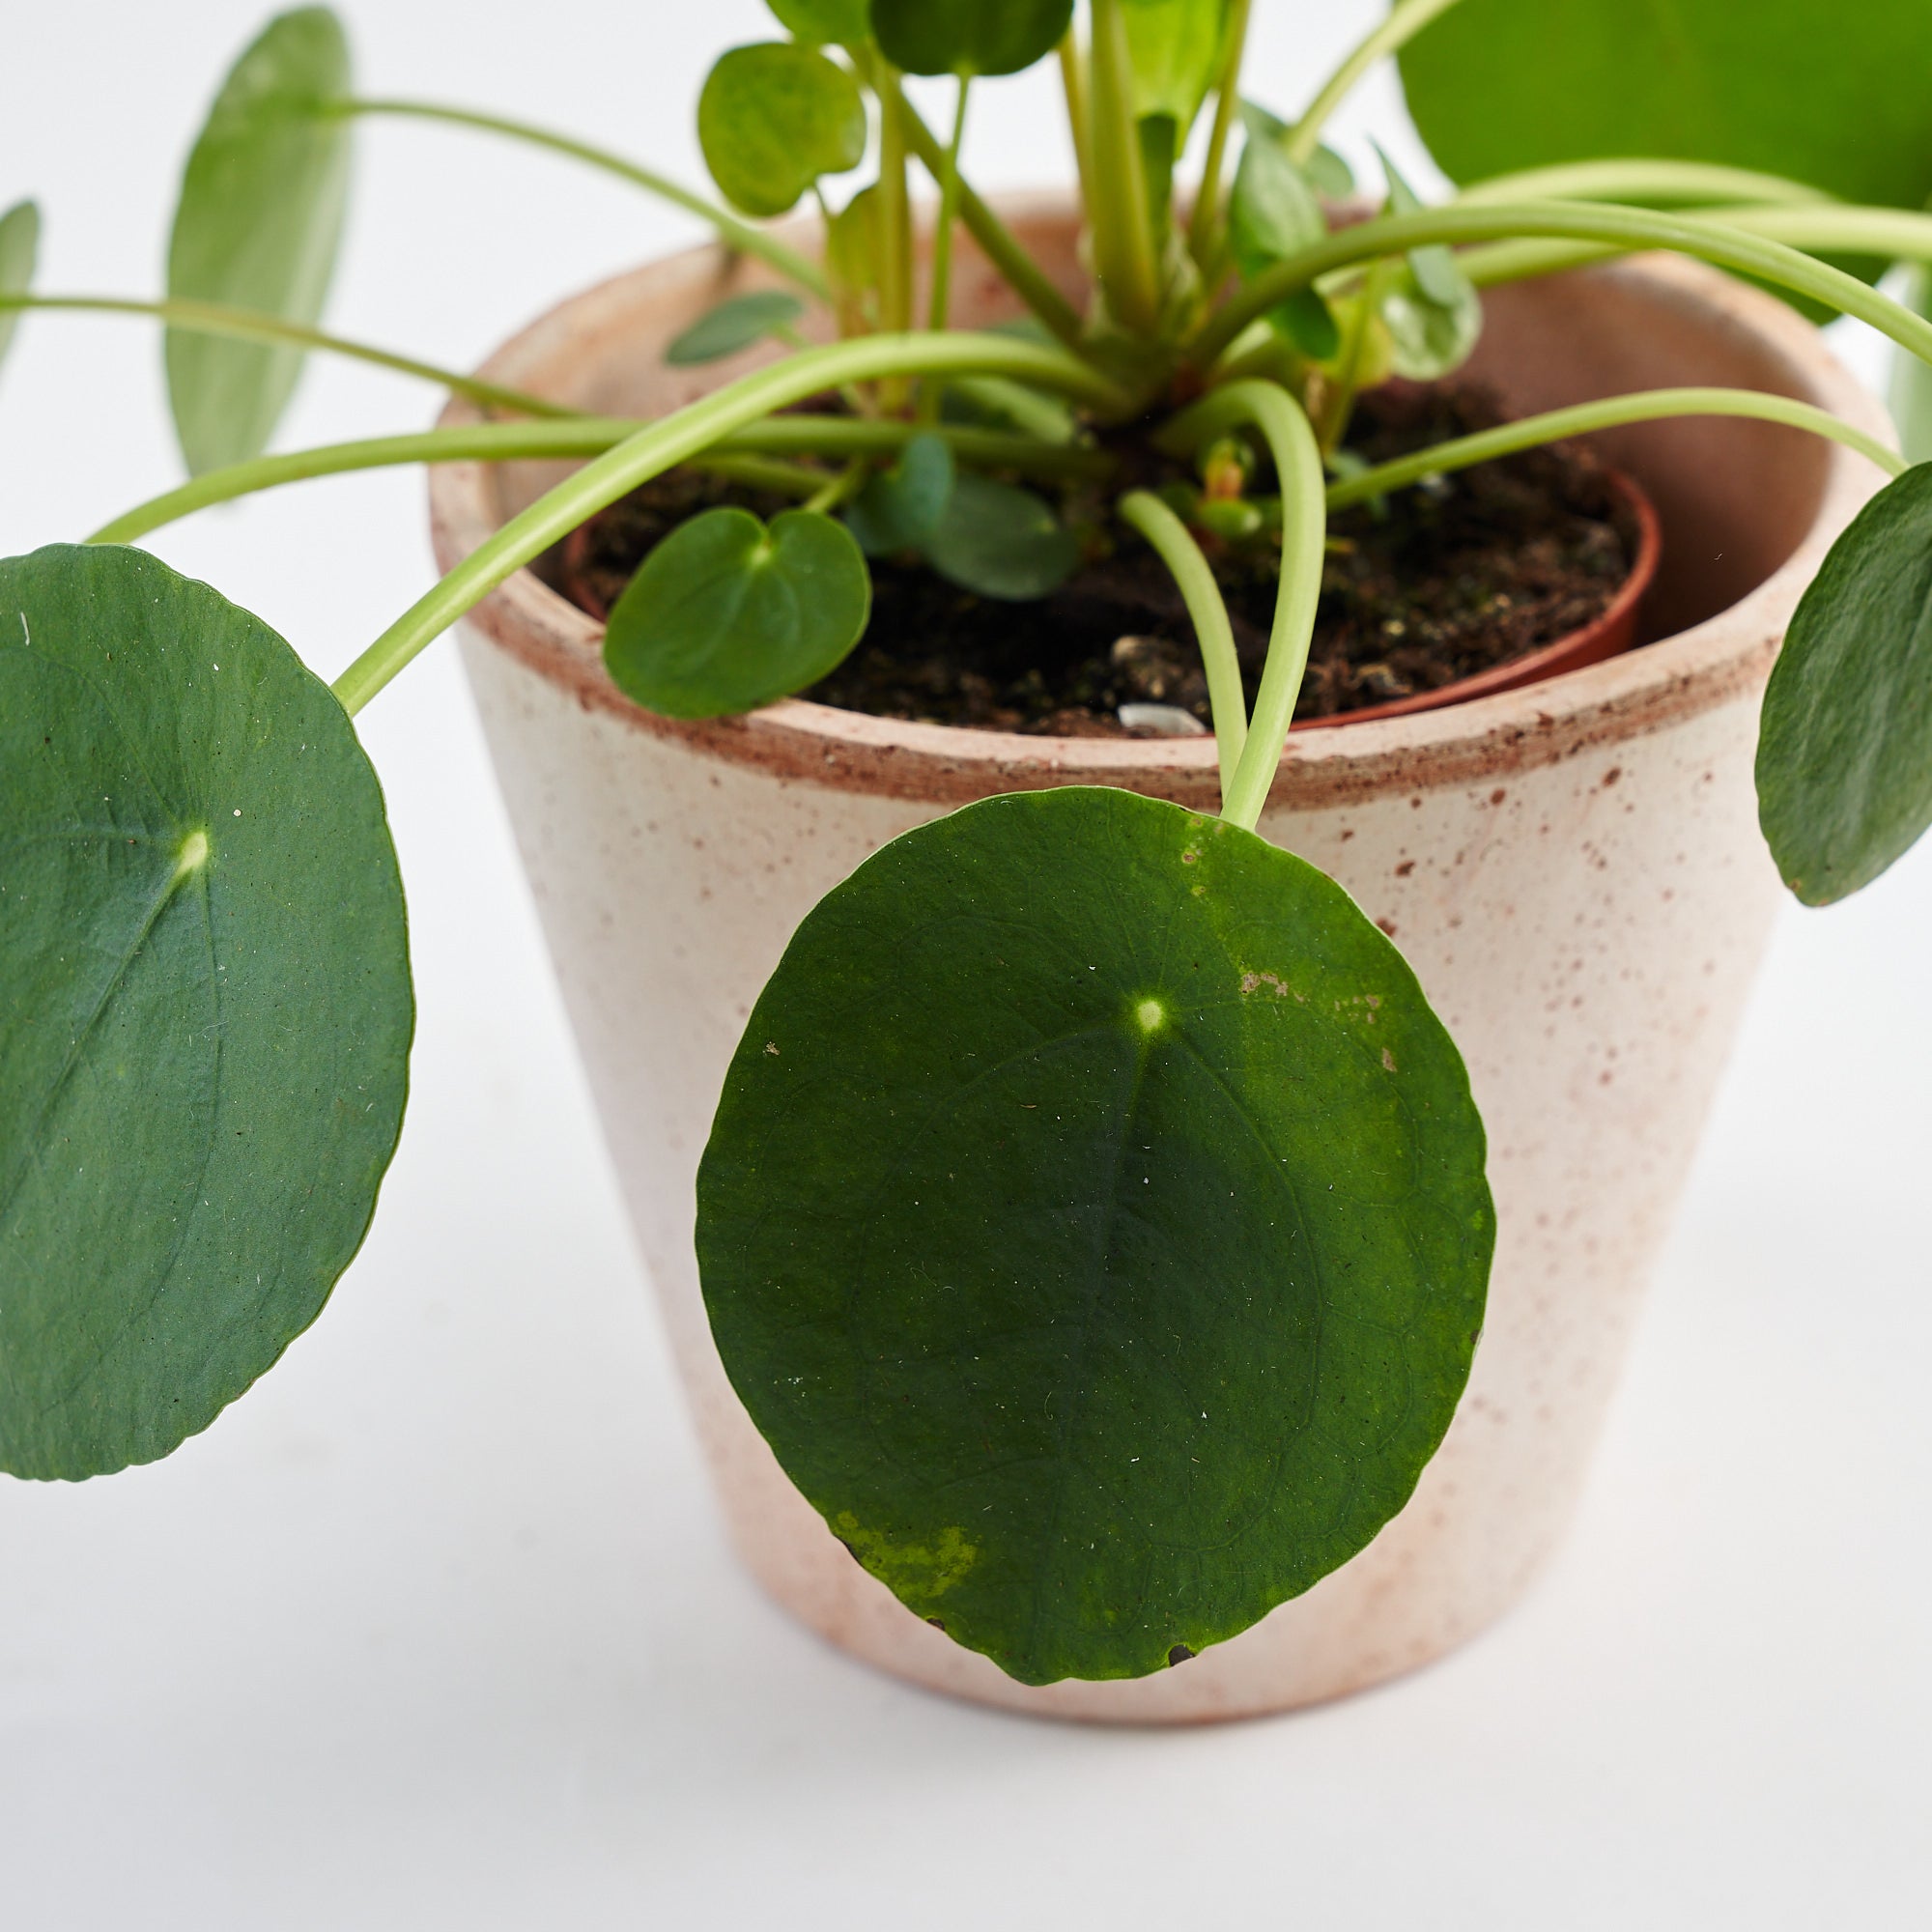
(1094, 1224)
(1844, 753)
(772, 118)
(257, 226)
(726, 615)
(1830, 94)
(205, 1032)
(20, 244)
(969, 36)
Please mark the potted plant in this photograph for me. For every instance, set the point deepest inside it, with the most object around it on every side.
(1095, 1226)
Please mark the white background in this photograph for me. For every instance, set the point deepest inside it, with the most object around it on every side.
(436, 1628)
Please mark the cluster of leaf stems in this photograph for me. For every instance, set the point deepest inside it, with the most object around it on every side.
(1162, 332)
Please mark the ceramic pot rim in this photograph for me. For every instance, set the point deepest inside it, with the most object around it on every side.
(1627, 696)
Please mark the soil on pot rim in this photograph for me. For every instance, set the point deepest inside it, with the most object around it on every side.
(1435, 585)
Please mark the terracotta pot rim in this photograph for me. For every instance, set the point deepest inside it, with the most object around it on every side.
(1459, 744)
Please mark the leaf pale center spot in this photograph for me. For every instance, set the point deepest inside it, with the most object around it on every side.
(193, 855)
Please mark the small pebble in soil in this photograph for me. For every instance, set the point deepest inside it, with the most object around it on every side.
(1160, 721)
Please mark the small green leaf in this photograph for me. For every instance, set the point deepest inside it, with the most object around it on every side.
(732, 326)
(257, 226)
(1174, 50)
(852, 243)
(1429, 338)
(1844, 751)
(839, 23)
(901, 508)
(1309, 323)
(203, 1040)
(1094, 1224)
(1433, 268)
(1433, 313)
(726, 615)
(968, 37)
(1263, 123)
(772, 118)
(1002, 541)
(1912, 380)
(1328, 172)
(1272, 214)
(20, 246)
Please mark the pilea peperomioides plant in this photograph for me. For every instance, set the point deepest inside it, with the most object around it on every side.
(1095, 1220)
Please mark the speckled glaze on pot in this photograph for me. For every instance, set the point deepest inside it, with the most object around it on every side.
(1574, 870)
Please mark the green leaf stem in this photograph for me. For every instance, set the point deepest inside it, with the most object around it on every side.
(1910, 381)
(661, 446)
(204, 1041)
(1103, 1280)
(1728, 244)
(257, 227)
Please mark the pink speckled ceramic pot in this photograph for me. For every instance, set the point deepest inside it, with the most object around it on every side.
(1573, 868)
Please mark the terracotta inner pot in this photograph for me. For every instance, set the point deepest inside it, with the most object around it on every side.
(1612, 632)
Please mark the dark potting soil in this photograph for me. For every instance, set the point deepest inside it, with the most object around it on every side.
(1436, 584)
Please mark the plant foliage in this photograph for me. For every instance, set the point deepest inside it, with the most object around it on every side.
(1095, 1220)
(1102, 1281)
(257, 227)
(204, 1047)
